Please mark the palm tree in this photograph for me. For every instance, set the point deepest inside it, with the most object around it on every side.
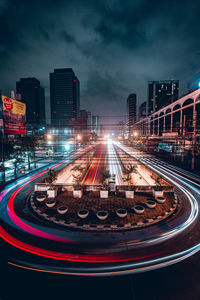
(77, 176)
(158, 180)
(105, 175)
(128, 171)
(51, 176)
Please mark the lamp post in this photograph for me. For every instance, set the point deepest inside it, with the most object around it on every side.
(49, 138)
(78, 139)
(2, 144)
(2, 155)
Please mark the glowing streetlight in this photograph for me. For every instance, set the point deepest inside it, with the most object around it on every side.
(79, 137)
(135, 133)
(67, 147)
(49, 136)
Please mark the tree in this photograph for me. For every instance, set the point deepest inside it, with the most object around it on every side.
(28, 144)
(6, 150)
(51, 176)
(94, 137)
(128, 171)
(159, 180)
(105, 175)
(85, 139)
(17, 160)
(77, 176)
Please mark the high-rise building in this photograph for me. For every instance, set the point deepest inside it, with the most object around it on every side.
(131, 112)
(84, 118)
(95, 124)
(161, 93)
(84, 115)
(89, 121)
(29, 91)
(65, 96)
(143, 110)
(121, 129)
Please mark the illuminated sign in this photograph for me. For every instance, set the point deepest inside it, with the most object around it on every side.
(14, 115)
(165, 147)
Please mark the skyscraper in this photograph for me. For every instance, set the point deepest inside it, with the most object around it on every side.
(161, 93)
(84, 118)
(131, 112)
(65, 96)
(143, 110)
(30, 92)
(95, 124)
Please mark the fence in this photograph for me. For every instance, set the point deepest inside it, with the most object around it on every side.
(97, 187)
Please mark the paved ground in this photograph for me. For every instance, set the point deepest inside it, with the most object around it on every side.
(179, 282)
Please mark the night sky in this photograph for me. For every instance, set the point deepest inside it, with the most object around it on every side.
(114, 46)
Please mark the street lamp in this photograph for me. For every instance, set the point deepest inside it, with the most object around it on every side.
(107, 136)
(67, 147)
(49, 136)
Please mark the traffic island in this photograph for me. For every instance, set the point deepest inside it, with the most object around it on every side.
(114, 213)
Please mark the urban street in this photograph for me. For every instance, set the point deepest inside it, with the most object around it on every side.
(99, 150)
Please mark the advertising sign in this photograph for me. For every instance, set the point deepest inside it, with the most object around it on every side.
(76, 121)
(14, 115)
(1, 116)
(165, 147)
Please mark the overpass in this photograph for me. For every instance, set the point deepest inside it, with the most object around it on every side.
(175, 119)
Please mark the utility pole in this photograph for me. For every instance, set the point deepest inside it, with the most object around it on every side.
(183, 145)
(194, 138)
(2, 156)
(2, 145)
(33, 135)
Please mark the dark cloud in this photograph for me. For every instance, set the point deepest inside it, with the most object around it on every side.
(114, 46)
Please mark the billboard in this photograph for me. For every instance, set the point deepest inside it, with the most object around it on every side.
(14, 115)
(77, 121)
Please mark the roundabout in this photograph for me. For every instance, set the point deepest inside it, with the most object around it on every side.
(33, 241)
(114, 213)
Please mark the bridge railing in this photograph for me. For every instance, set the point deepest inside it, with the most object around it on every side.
(97, 187)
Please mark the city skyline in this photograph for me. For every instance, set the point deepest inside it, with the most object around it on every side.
(99, 149)
(111, 55)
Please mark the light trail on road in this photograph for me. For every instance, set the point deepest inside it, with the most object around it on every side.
(114, 164)
(93, 174)
(98, 254)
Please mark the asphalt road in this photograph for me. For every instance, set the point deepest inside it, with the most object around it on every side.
(177, 282)
(73, 252)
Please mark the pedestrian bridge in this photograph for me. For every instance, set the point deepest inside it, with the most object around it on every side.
(180, 117)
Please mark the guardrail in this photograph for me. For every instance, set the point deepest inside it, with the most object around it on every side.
(97, 187)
